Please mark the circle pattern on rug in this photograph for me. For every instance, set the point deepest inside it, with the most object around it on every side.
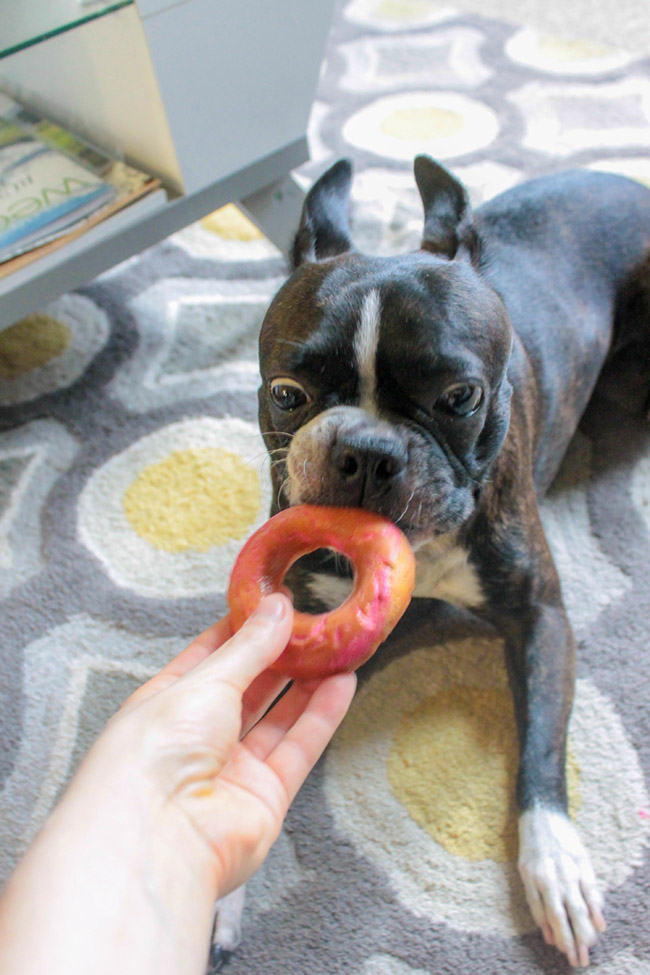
(441, 878)
(31, 343)
(465, 740)
(167, 516)
(561, 120)
(404, 61)
(231, 224)
(633, 168)
(442, 124)
(557, 55)
(391, 15)
(193, 499)
(226, 234)
(50, 350)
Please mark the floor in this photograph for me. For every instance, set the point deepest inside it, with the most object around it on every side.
(612, 23)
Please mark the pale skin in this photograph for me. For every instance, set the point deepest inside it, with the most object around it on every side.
(176, 804)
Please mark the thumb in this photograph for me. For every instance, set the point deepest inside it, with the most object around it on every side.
(256, 645)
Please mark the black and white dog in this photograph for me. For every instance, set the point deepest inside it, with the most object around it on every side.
(441, 389)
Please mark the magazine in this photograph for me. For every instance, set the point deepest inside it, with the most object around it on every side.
(54, 184)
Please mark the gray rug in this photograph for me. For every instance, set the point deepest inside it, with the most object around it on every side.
(131, 471)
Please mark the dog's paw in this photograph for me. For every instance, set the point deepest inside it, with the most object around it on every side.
(560, 884)
(226, 935)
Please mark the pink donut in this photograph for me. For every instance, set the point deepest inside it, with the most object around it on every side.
(343, 639)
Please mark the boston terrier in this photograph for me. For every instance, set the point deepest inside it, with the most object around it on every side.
(441, 389)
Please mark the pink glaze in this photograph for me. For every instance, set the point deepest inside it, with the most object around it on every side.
(384, 577)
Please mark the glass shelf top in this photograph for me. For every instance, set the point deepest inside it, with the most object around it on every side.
(26, 22)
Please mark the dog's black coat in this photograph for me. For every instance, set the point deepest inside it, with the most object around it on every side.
(525, 301)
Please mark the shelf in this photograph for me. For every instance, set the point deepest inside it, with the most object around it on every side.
(145, 223)
(24, 24)
(211, 98)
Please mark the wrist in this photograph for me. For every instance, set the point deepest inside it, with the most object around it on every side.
(118, 792)
(130, 874)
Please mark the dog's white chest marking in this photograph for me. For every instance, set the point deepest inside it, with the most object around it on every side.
(443, 571)
(330, 590)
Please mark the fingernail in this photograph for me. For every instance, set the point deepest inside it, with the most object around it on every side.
(271, 608)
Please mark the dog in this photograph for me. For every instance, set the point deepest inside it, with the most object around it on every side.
(441, 389)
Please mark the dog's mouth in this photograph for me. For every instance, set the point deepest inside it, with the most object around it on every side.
(346, 458)
(421, 513)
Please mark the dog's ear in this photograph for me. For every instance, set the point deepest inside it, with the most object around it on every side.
(448, 227)
(324, 227)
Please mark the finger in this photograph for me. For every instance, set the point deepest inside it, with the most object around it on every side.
(189, 658)
(270, 731)
(259, 697)
(299, 750)
(252, 649)
(200, 648)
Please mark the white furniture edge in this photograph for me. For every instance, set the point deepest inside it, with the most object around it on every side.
(142, 67)
(275, 209)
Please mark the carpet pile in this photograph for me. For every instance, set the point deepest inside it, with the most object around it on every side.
(131, 471)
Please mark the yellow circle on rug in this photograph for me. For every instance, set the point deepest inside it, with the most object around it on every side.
(559, 49)
(231, 224)
(453, 766)
(402, 9)
(427, 122)
(30, 344)
(193, 499)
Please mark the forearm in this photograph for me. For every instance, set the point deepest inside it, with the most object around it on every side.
(170, 810)
(109, 885)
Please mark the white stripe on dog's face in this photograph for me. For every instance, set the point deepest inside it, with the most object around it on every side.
(365, 351)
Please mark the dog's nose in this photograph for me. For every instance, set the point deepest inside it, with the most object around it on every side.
(374, 462)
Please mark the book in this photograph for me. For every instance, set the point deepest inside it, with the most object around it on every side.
(54, 185)
(42, 190)
(92, 229)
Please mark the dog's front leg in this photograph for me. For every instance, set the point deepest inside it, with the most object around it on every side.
(226, 936)
(540, 650)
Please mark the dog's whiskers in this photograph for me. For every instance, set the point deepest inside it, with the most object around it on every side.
(406, 507)
(284, 489)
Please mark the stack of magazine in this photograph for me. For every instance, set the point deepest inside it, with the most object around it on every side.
(54, 186)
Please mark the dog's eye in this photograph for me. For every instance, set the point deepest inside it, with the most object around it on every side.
(462, 399)
(287, 394)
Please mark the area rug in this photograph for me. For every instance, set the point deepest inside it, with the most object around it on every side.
(131, 471)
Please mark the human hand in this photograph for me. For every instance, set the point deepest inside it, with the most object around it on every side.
(176, 804)
(203, 751)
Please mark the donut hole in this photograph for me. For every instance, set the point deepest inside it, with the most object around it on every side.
(320, 581)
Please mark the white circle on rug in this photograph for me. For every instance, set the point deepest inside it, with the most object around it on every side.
(469, 894)
(558, 55)
(442, 124)
(167, 516)
(392, 15)
(225, 235)
(50, 349)
(637, 168)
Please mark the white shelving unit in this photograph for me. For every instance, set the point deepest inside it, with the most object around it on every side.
(212, 96)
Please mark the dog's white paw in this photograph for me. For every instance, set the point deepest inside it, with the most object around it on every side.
(560, 884)
(226, 935)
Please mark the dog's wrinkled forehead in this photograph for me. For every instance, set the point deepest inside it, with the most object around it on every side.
(356, 317)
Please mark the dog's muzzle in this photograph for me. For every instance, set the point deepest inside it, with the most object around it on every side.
(367, 465)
